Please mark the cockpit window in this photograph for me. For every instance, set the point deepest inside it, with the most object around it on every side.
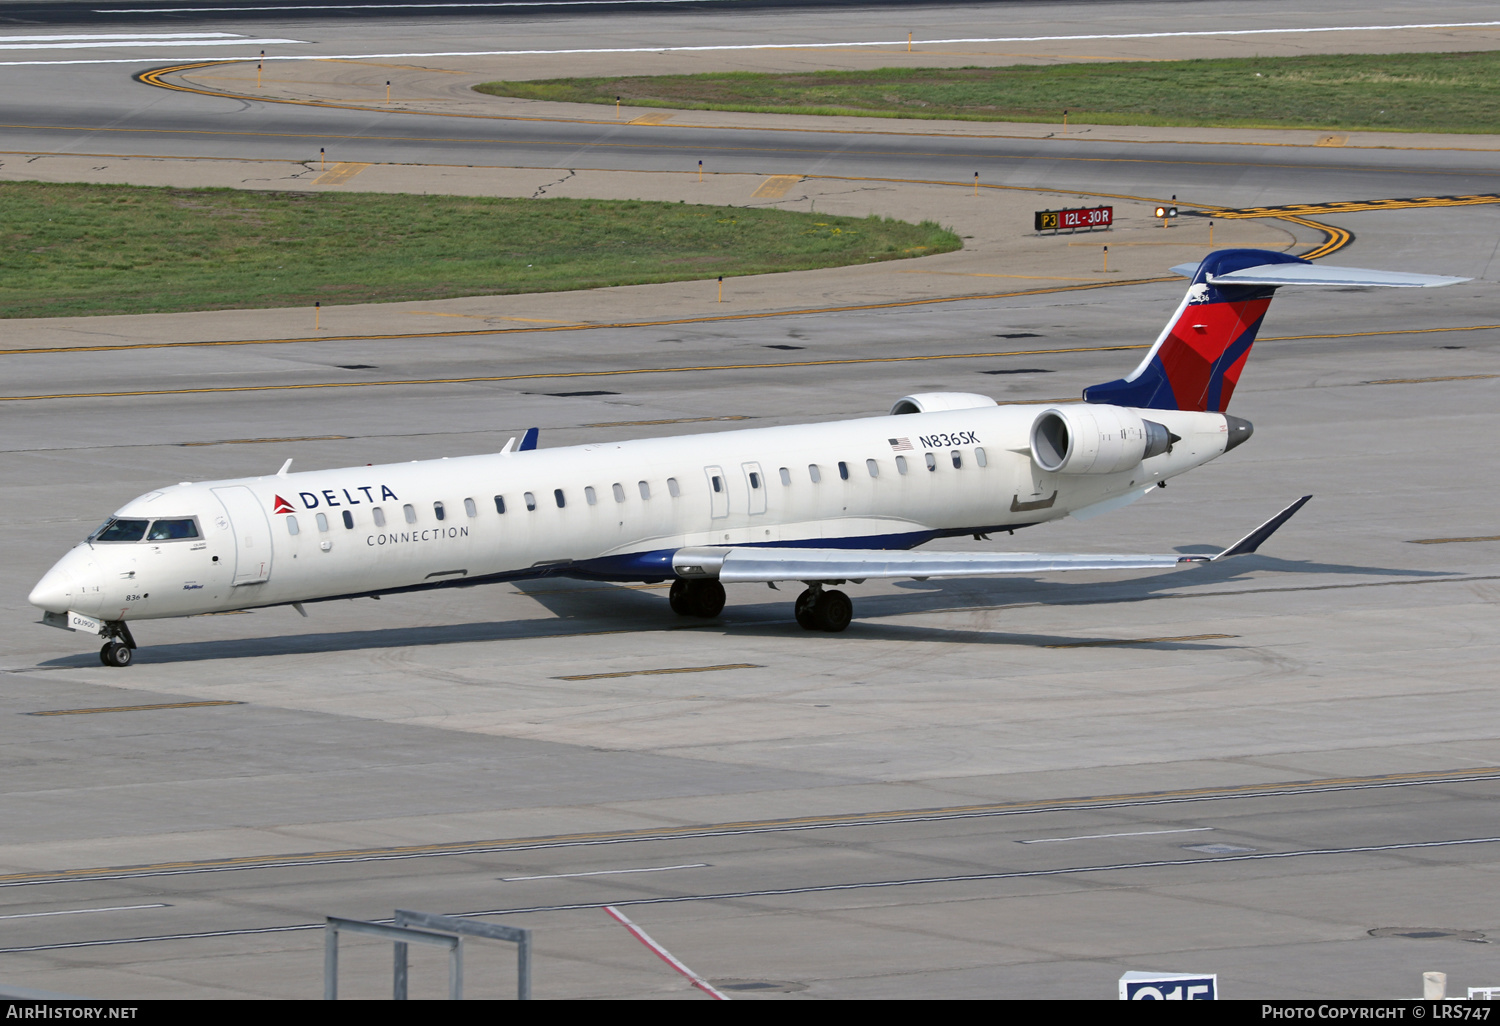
(122, 531)
(172, 530)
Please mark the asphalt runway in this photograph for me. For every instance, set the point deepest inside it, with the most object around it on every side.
(1013, 788)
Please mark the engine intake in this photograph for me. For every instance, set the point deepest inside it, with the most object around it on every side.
(1095, 439)
(936, 402)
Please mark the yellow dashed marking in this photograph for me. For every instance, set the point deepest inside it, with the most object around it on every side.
(1445, 541)
(128, 708)
(257, 441)
(339, 174)
(1423, 381)
(1141, 641)
(670, 669)
(675, 420)
(656, 117)
(775, 187)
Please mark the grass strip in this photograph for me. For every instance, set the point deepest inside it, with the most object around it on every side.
(1401, 92)
(119, 249)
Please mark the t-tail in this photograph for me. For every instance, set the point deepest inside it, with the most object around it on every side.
(1199, 357)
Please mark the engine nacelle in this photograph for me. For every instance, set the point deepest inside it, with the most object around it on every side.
(1095, 439)
(936, 402)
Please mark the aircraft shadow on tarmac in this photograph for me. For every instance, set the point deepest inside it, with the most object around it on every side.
(608, 609)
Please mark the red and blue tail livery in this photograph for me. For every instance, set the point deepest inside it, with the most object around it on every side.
(1197, 361)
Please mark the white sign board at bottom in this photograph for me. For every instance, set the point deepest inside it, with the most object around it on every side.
(1169, 987)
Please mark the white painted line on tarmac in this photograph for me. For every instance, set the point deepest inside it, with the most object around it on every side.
(598, 872)
(121, 35)
(793, 45)
(1134, 833)
(83, 911)
(119, 44)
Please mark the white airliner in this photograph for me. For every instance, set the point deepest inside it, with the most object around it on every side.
(821, 504)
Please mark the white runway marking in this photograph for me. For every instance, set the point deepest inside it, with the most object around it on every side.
(121, 35)
(788, 45)
(122, 42)
(83, 911)
(602, 872)
(1095, 837)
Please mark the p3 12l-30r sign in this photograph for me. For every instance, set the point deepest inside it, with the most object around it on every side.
(1085, 218)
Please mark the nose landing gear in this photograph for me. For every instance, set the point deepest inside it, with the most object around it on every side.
(115, 653)
(119, 649)
(819, 610)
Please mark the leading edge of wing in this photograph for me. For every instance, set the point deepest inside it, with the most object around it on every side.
(756, 564)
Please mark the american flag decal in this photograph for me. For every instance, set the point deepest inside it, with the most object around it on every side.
(900, 444)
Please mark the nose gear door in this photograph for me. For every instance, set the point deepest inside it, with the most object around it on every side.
(252, 534)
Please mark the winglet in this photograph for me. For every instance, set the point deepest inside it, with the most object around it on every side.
(508, 445)
(1252, 541)
(285, 467)
(528, 440)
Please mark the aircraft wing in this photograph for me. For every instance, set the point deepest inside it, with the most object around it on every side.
(751, 563)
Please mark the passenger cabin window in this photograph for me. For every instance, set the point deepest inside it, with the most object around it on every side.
(873, 468)
(291, 525)
(901, 464)
(672, 489)
(348, 520)
(322, 519)
(931, 462)
(411, 513)
(645, 490)
(379, 515)
(557, 495)
(471, 509)
(589, 495)
(786, 477)
(172, 530)
(814, 473)
(530, 503)
(958, 460)
(843, 470)
(122, 531)
(499, 504)
(619, 491)
(437, 510)
(979, 458)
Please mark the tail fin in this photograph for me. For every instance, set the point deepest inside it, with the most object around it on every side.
(1196, 362)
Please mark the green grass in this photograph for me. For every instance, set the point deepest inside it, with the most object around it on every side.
(116, 249)
(1409, 92)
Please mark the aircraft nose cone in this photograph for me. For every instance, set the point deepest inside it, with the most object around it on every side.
(54, 592)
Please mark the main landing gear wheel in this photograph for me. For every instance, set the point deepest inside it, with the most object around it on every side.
(115, 653)
(703, 599)
(818, 610)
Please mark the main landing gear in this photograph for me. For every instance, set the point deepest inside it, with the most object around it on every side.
(819, 610)
(119, 650)
(816, 609)
(704, 599)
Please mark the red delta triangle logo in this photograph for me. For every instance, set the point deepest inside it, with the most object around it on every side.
(282, 506)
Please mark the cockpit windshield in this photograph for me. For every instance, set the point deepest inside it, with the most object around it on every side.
(121, 531)
(172, 530)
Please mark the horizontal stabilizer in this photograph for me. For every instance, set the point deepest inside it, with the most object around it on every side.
(744, 564)
(1319, 274)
